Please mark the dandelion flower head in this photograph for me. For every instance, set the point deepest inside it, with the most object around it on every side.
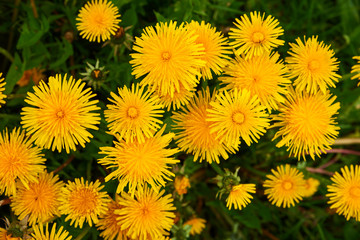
(264, 75)
(2, 89)
(19, 160)
(197, 225)
(237, 114)
(194, 135)
(255, 35)
(147, 216)
(138, 163)
(46, 234)
(355, 69)
(40, 200)
(60, 114)
(98, 20)
(312, 65)
(134, 114)
(181, 184)
(82, 201)
(108, 223)
(344, 192)
(307, 123)
(310, 187)
(167, 56)
(284, 186)
(215, 47)
(239, 196)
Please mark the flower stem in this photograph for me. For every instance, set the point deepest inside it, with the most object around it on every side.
(83, 233)
(64, 164)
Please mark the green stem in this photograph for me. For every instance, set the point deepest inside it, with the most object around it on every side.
(253, 170)
(5, 52)
(83, 233)
(217, 169)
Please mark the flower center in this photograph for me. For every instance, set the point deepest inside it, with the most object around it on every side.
(83, 201)
(313, 65)
(132, 112)
(258, 37)
(355, 192)
(287, 185)
(166, 56)
(238, 118)
(145, 211)
(60, 114)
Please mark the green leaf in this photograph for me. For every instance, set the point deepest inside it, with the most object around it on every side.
(32, 33)
(14, 74)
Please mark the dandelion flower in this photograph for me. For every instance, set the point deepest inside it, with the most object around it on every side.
(40, 200)
(255, 36)
(310, 187)
(284, 186)
(178, 98)
(108, 223)
(147, 216)
(237, 114)
(215, 47)
(47, 234)
(313, 65)
(19, 160)
(139, 163)
(167, 55)
(60, 114)
(344, 192)
(2, 89)
(181, 184)
(194, 135)
(355, 69)
(83, 201)
(98, 20)
(264, 76)
(306, 122)
(239, 196)
(197, 225)
(135, 114)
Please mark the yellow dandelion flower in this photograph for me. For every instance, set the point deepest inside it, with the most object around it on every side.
(2, 89)
(237, 114)
(135, 114)
(60, 114)
(197, 225)
(313, 65)
(264, 76)
(194, 134)
(344, 192)
(284, 186)
(19, 160)
(215, 47)
(46, 234)
(306, 122)
(354, 69)
(178, 98)
(83, 201)
(255, 36)
(239, 196)
(168, 55)
(98, 20)
(139, 163)
(181, 184)
(147, 216)
(108, 223)
(310, 187)
(40, 200)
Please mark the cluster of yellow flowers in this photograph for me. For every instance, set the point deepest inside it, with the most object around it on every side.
(172, 59)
